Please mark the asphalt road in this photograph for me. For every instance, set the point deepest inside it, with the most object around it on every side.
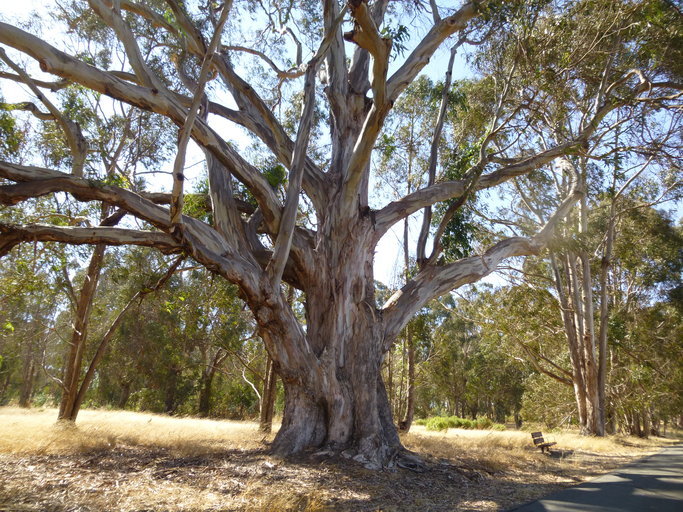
(651, 484)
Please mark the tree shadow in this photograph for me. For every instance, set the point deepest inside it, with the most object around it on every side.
(560, 454)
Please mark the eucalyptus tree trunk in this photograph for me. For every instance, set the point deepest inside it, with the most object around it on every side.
(409, 347)
(28, 376)
(407, 420)
(561, 279)
(341, 400)
(594, 417)
(268, 397)
(68, 409)
(206, 382)
(605, 264)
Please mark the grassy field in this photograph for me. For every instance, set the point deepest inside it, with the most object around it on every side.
(114, 460)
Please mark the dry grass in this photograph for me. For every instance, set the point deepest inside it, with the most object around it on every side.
(122, 461)
(35, 431)
(517, 443)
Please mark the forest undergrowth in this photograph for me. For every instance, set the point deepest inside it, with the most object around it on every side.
(115, 460)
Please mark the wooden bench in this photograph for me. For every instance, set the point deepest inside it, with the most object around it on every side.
(541, 443)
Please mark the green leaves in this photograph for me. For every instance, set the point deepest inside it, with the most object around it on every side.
(399, 36)
(276, 175)
(11, 136)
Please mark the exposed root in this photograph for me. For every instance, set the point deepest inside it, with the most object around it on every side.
(409, 460)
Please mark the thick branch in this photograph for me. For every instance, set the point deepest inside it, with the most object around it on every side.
(36, 182)
(420, 56)
(222, 255)
(283, 242)
(366, 35)
(336, 58)
(111, 15)
(434, 280)
(14, 235)
(188, 125)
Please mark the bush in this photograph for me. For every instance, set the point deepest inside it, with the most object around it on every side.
(438, 423)
(484, 423)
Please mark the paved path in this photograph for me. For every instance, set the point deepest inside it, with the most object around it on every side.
(652, 484)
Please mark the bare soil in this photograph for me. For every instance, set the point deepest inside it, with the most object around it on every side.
(138, 478)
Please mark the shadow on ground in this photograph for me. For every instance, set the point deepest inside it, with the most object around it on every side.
(135, 478)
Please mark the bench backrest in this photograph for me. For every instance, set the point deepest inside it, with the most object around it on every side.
(537, 437)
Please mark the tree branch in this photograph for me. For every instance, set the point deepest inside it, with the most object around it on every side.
(53, 86)
(14, 235)
(420, 56)
(270, 131)
(435, 280)
(397, 210)
(434, 149)
(184, 136)
(283, 242)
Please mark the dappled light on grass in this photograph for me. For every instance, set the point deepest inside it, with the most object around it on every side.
(36, 431)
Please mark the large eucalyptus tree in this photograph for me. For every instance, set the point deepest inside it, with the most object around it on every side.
(179, 59)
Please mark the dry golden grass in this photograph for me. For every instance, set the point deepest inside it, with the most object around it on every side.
(495, 450)
(35, 431)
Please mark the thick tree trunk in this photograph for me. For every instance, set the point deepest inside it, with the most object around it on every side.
(171, 391)
(570, 330)
(335, 399)
(204, 405)
(27, 382)
(351, 414)
(645, 415)
(4, 384)
(604, 314)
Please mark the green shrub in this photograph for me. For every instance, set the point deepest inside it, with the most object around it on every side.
(484, 423)
(437, 423)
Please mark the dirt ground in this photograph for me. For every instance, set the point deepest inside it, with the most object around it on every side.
(133, 478)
